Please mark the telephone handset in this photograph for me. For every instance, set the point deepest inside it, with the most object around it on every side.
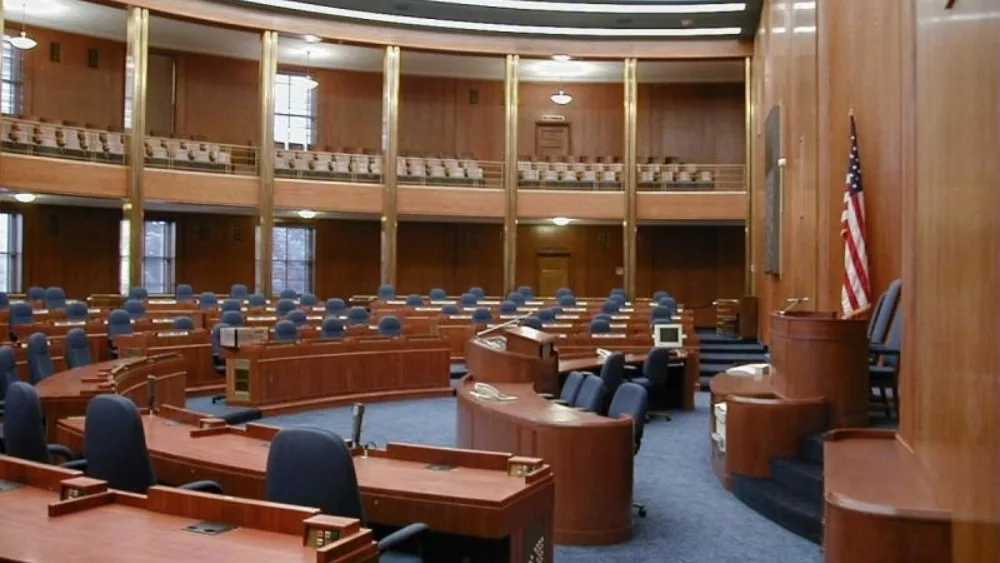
(487, 391)
(603, 354)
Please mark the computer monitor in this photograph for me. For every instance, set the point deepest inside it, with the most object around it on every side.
(668, 336)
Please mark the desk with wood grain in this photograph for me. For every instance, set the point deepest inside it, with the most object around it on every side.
(461, 493)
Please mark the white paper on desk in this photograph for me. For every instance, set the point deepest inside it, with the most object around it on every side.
(749, 370)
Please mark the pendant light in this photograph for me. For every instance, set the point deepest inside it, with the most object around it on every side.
(22, 41)
(308, 81)
(561, 98)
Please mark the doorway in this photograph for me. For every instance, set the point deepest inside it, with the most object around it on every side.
(552, 140)
(553, 273)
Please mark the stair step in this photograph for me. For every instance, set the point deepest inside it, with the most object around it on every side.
(802, 477)
(781, 506)
(722, 357)
(811, 449)
(740, 347)
(712, 368)
(705, 381)
(713, 337)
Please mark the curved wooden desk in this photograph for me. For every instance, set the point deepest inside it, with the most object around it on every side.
(67, 393)
(591, 457)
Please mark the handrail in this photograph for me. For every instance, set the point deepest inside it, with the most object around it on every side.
(37, 137)
(686, 177)
(200, 156)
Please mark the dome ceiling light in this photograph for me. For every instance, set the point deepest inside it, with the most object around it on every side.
(561, 98)
(22, 41)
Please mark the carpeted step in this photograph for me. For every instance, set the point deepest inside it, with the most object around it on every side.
(811, 449)
(781, 506)
(705, 382)
(736, 347)
(709, 368)
(732, 358)
(458, 370)
(704, 337)
(802, 477)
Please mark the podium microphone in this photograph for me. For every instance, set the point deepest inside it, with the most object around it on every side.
(357, 417)
(151, 393)
(503, 325)
(792, 302)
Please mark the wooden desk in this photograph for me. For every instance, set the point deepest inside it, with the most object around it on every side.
(67, 393)
(591, 457)
(194, 346)
(399, 485)
(107, 525)
(689, 386)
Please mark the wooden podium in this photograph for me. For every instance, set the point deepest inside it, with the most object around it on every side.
(528, 356)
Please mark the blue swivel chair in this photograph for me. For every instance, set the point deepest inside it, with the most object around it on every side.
(135, 309)
(570, 389)
(114, 447)
(288, 294)
(610, 307)
(389, 325)
(36, 293)
(563, 291)
(77, 349)
(77, 311)
(468, 300)
(481, 315)
(139, 293)
(532, 322)
(660, 294)
(39, 360)
(516, 298)
(183, 323)
(600, 326)
(526, 291)
(654, 376)
(284, 306)
(386, 292)
(547, 315)
(878, 326)
(414, 300)
(617, 298)
(508, 308)
(478, 292)
(24, 427)
(332, 328)
(669, 303)
(438, 294)
(297, 317)
(335, 306)
(232, 318)
(660, 314)
(631, 399)
(207, 300)
(567, 301)
(21, 314)
(231, 305)
(308, 300)
(4, 301)
(286, 331)
(184, 292)
(218, 362)
(119, 323)
(604, 316)
(55, 298)
(613, 375)
(451, 309)
(591, 394)
(619, 291)
(331, 484)
(8, 375)
(357, 316)
(257, 300)
(883, 374)
(238, 291)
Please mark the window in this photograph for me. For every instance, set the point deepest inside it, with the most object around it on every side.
(158, 259)
(10, 70)
(10, 252)
(292, 259)
(294, 109)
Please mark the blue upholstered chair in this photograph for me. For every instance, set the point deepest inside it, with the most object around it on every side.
(438, 294)
(308, 300)
(286, 331)
(591, 394)
(516, 298)
(238, 291)
(77, 349)
(660, 294)
(21, 314)
(183, 323)
(137, 292)
(600, 326)
(482, 315)
(39, 360)
(414, 300)
(8, 371)
(478, 292)
(36, 293)
(55, 298)
(883, 374)
(4, 301)
(567, 301)
(602, 316)
(332, 328)
(389, 325)
(119, 322)
(669, 303)
(331, 484)
(617, 298)
(114, 445)
(357, 316)
(77, 311)
(218, 362)
(610, 307)
(335, 306)
(232, 318)
(207, 300)
(547, 315)
(231, 305)
(660, 313)
(526, 291)
(257, 300)
(570, 389)
(882, 316)
(297, 317)
(386, 292)
(468, 300)
(288, 293)
(619, 291)
(563, 291)
(532, 322)
(184, 292)
(451, 309)
(284, 306)
(135, 308)
(508, 307)
(613, 375)
(631, 399)
(24, 427)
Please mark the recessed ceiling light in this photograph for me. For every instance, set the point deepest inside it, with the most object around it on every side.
(25, 197)
(561, 58)
(307, 213)
(561, 221)
(313, 39)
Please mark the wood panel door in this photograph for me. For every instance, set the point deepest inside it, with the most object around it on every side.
(553, 273)
(552, 140)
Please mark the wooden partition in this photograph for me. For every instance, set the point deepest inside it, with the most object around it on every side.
(194, 346)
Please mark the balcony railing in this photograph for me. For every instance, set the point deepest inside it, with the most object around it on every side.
(63, 140)
(690, 177)
(199, 155)
(595, 176)
(450, 172)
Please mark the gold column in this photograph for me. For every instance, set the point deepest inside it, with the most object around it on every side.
(510, 100)
(629, 170)
(136, 63)
(748, 267)
(390, 153)
(265, 160)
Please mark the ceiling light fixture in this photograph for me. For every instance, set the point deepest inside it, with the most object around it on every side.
(25, 197)
(561, 221)
(645, 8)
(307, 213)
(308, 80)
(562, 58)
(561, 98)
(22, 41)
(313, 39)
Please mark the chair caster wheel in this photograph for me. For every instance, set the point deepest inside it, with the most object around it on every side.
(642, 513)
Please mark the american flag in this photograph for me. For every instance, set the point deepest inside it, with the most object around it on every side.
(855, 292)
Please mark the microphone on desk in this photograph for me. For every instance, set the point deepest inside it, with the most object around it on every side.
(151, 392)
(357, 417)
(503, 325)
(792, 302)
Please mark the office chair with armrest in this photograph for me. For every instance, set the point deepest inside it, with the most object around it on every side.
(468, 300)
(357, 316)
(631, 399)
(39, 359)
(563, 291)
(482, 315)
(77, 311)
(532, 322)
(389, 325)
(660, 294)
(231, 305)
(4, 301)
(218, 362)
(8, 372)
(591, 395)
(386, 292)
(36, 293)
(286, 331)
(24, 427)
(77, 349)
(335, 306)
(451, 309)
(613, 375)
(438, 294)
(570, 389)
(55, 298)
(136, 309)
(516, 298)
(284, 306)
(184, 292)
(883, 373)
(526, 291)
(619, 291)
(257, 300)
(332, 328)
(207, 300)
(238, 291)
(882, 316)
(477, 292)
(330, 484)
(600, 326)
(617, 298)
(232, 318)
(610, 307)
(21, 314)
(508, 307)
(546, 315)
(182, 323)
(114, 448)
(567, 301)
(297, 317)
(288, 294)
(138, 293)
(308, 300)
(414, 300)
(655, 372)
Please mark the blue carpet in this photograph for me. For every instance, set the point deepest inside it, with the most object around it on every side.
(692, 519)
(458, 369)
(205, 405)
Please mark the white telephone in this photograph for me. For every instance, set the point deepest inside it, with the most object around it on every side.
(487, 391)
(603, 354)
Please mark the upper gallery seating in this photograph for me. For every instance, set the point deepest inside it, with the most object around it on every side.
(347, 164)
(164, 152)
(65, 139)
(572, 171)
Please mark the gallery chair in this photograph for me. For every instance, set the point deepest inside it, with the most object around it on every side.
(297, 317)
(414, 300)
(288, 294)
(610, 307)
(468, 300)
(231, 305)
(21, 314)
(481, 315)
(508, 308)
(386, 292)
(600, 326)
(184, 292)
(451, 309)
(138, 293)
(308, 300)
(135, 309)
(516, 298)
(478, 292)
(207, 300)
(567, 301)
(257, 300)
(284, 306)
(24, 427)
(533, 322)
(36, 293)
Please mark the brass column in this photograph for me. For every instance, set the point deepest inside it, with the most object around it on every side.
(390, 154)
(629, 172)
(510, 100)
(265, 160)
(748, 267)
(136, 63)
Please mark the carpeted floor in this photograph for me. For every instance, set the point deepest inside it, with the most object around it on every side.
(692, 519)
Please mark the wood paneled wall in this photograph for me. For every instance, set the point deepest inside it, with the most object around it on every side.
(213, 251)
(349, 111)
(217, 98)
(438, 116)
(595, 117)
(347, 260)
(452, 256)
(69, 89)
(696, 264)
(702, 123)
(813, 75)
(595, 254)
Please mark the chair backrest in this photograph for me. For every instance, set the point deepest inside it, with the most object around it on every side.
(135, 309)
(23, 424)
(516, 298)
(330, 484)
(114, 444)
(77, 348)
(4, 300)
(77, 311)
(286, 331)
(884, 317)
(876, 311)
(468, 299)
(297, 317)
(332, 328)
(895, 338)
(55, 298)
(451, 309)
(284, 306)
(257, 300)
(657, 365)
(184, 292)
(137, 292)
(207, 300)
(183, 323)
(567, 301)
(602, 316)
(657, 295)
(617, 298)
(660, 312)
(39, 361)
(216, 337)
(482, 315)
(600, 326)
(36, 293)
(308, 300)
(288, 294)
(619, 291)
(571, 387)
(669, 303)
(386, 291)
(119, 322)
(8, 369)
(238, 291)
(526, 291)
(610, 307)
(438, 294)
(613, 372)
(335, 305)
(478, 292)
(532, 322)
(414, 300)
(389, 325)
(631, 399)
(357, 316)
(591, 395)
(563, 291)
(547, 315)
(231, 305)
(508, 307)
(232, 318)
(21, 314)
